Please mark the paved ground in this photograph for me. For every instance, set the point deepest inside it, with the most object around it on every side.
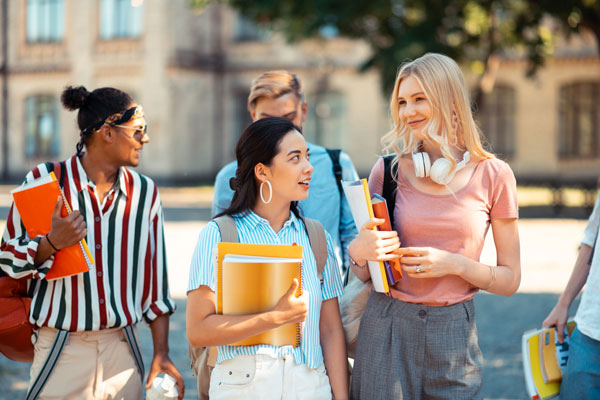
(548, 248)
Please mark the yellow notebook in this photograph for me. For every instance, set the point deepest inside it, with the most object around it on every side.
(251, 278)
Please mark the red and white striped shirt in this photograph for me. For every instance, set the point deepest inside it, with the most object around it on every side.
(125, 235)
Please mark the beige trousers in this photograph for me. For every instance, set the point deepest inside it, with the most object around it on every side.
(93, 365)
(265, 378)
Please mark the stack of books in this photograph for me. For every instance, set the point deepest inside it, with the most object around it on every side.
(251, 278)
(545, 360)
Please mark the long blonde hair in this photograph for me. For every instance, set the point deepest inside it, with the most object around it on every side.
(445, 89)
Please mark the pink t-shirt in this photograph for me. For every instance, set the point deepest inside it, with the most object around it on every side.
(456, 223)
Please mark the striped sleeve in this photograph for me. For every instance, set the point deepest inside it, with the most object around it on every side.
(17, 249)
(160, 301)
(332, 276)
(202, 267)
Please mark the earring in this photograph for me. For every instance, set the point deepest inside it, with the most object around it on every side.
(270, 192)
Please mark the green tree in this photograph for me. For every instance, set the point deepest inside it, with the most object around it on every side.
(470, 31)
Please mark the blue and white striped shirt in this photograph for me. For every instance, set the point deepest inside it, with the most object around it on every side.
(256, 230)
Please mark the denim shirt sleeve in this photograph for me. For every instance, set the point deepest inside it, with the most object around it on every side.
(222, 191)
(348, 230)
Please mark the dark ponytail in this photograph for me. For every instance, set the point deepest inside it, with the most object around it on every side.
(93, 107)
(259, 143)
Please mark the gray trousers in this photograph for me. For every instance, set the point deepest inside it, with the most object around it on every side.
(413, 351)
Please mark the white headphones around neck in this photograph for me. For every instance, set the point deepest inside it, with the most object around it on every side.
(439, 172)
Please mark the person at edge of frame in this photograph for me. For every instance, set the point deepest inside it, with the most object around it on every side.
(86, 323)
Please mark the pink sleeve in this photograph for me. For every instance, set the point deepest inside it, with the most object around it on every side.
(504, 193)
(376, 177)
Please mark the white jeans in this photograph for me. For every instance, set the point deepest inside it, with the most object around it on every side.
(263, 377)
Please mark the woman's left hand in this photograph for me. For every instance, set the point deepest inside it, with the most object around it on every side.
(427, 262)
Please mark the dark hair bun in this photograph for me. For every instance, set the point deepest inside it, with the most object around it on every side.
(73, 98)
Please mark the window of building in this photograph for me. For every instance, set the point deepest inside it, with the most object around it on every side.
(121, 19)
(579, 116)
(247, 30)
(497, 120)
(326, 120)
(45, 21)
(42, 136)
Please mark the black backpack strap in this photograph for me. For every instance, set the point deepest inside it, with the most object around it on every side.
(227, 228)
(318, 243)
(389, 184)
(334, 154)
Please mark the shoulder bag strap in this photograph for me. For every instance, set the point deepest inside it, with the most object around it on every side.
(227, 228)
(389, 185)
(318, 243)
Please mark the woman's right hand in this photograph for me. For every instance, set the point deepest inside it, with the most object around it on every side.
(66, 231)
(291, 308)
(372, 245)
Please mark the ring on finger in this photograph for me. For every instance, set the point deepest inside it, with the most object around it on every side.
(418, 270)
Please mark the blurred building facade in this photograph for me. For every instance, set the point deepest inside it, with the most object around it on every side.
(191, 70)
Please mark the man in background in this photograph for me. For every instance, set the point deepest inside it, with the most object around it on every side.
(280, 94)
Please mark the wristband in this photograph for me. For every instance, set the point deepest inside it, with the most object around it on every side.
(493, 278)
(48, 239)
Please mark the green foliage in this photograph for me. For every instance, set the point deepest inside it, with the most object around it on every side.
(397, 30)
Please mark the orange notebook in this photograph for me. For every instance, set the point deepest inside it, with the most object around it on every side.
(35, 203)
(380, 210)
(251, 278)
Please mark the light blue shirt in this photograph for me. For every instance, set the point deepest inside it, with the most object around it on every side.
(256, 230)
(322, 204)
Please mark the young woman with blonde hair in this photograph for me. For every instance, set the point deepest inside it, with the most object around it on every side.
(449, 191)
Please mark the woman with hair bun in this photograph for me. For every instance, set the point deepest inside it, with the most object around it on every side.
(273, 174)
(118, 212)
(448, 192)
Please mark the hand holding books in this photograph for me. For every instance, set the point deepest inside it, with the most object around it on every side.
(66, 230)
(292, 307)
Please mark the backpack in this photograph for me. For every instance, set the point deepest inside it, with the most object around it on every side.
(15, 329)
(334, 154)
(203, 359)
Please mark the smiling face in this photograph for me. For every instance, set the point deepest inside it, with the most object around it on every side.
(129, 140)
(290, 170)
(414, 109)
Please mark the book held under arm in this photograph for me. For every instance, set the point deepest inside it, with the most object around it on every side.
(251, 278)
(36, 202)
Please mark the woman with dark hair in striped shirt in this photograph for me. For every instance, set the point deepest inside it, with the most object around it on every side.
(273, 174)
(118, 212)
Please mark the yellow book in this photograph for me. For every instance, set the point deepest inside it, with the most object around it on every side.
(545, 390)
(251, 278)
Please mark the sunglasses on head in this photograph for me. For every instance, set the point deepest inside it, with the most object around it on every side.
(119, 118)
